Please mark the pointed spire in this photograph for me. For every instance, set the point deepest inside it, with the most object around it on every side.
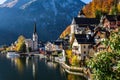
(35, 28)
(81, 14)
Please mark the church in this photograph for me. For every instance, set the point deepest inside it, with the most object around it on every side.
(32, 44)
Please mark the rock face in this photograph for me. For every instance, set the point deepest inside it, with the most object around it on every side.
(52, 16)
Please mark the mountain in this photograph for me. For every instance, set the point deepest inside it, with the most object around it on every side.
(52, 16)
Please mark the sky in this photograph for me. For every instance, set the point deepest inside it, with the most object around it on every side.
(2, 1)
(86, 1)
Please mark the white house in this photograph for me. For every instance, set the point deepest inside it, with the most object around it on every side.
(82, 45)
(83, 25)
(29, 43)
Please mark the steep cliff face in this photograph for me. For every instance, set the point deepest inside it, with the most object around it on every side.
(51, 16)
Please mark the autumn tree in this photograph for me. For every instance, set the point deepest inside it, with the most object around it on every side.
(98, 14)
(103, 6)
(118, 6)
(20, 45)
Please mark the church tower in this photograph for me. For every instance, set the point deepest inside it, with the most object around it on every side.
(81, 14)
(35, 39)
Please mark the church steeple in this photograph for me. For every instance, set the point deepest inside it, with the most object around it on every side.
(35, 31)
(35, 38)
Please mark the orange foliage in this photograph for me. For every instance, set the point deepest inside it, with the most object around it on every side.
(65, 32)
(101, 5)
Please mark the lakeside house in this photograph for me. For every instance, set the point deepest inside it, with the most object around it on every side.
(54, 46)
(82, 45)
(111, 21)
(83, 25)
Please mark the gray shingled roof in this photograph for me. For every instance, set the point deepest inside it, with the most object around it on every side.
(88, 21)
(84, 39)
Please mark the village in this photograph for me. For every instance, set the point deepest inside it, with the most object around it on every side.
(84, 40)
(87, 49)
(72, 50)
(80, 42)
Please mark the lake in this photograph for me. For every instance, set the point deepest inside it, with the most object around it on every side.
(32, 68)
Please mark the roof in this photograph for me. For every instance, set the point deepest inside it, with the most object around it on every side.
(84, 39)
(58, 42)
(118, 17)
(113, 17)
(88, 21)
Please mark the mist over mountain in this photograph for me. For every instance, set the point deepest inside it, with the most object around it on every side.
(17, 17)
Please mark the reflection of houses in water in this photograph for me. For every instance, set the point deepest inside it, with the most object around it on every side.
(52, 64)
(26, 62)
(35, 68)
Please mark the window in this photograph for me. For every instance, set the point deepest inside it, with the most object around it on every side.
(84, 46)
(84, 52)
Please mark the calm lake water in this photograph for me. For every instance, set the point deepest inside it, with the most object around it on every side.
(32, 68)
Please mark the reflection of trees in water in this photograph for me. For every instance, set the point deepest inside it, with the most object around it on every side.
(23, 63)
(70, 76)
(74, 77)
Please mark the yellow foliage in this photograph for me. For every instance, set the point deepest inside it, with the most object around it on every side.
(20, 41)
(74, 60)
(118, 6)
(69, 53)
(8, 49)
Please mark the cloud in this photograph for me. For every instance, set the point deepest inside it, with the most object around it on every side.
(2, 1)
(9, 4)
(27, 4)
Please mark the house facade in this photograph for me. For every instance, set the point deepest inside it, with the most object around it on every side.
(111, 21)
(82, 45)
(82, 25)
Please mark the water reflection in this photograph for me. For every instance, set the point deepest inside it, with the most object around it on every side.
(30, 64)
(23, 63)
(74, 77)
(32, 68)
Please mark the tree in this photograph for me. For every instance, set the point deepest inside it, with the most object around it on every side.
(106, 65)
(22, 48)
(118, 6)
(101, 5)
(98, 14)
(20, 45)
(113, 11)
